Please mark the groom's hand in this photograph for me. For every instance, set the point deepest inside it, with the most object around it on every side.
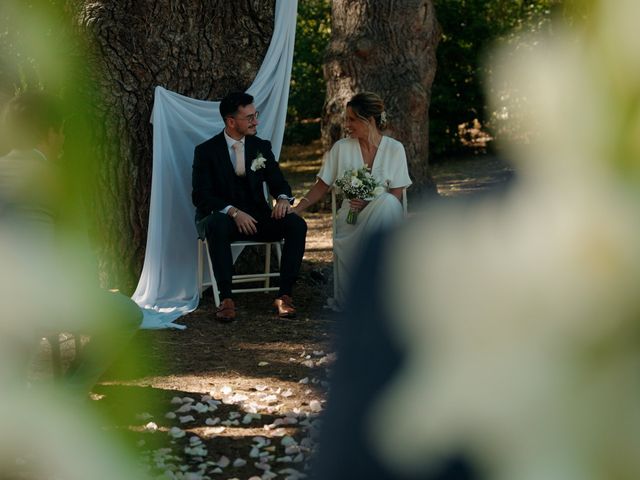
(281, 209)
(246, 223)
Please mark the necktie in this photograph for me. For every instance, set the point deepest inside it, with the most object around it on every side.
(239, 148)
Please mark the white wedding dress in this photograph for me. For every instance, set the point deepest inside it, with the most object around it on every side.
(390, 170)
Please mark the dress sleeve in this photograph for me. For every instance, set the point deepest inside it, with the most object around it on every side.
(397, 169)
(329, 171)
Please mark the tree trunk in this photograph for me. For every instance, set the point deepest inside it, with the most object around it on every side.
(387, 47)
(199, 48)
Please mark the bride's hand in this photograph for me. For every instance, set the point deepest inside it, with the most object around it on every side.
(357, 204)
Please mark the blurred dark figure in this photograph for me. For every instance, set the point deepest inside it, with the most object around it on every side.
(368, 360)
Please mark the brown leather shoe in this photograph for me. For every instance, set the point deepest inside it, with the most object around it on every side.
(284, 306)
(226, 312)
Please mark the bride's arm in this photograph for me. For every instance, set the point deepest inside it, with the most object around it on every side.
(397, 192)
(316, 193)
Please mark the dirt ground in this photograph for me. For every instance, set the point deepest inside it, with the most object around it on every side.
(242, 400)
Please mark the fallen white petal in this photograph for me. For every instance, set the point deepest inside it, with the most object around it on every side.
(176, 432)
(261, 441)
(201, 407)
(198, 451)
(176, 400)
(288, 441)
(192, 476)
(291, 449)
(151, 427)
(186, 419)
(170, 415)
(239, 462)
(223, 462)
(212, 421)
(238, 397)
(230, 423)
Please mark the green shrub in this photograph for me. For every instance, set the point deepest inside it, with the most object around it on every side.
(307, 92)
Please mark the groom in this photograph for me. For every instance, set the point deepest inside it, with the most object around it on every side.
(228, 174)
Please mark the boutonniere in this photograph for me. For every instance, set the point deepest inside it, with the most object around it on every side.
(258, 162)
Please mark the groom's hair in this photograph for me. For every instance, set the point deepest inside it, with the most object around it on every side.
(28, 117)
(230, 104)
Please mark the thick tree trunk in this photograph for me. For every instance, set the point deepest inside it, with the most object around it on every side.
(388, 47)
(199, 48)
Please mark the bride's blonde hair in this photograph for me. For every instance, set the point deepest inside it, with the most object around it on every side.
(366, 105)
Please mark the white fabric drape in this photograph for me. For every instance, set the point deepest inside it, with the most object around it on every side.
(167, 287)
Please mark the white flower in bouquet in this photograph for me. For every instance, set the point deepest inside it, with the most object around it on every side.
(358, 183)
(379, 190)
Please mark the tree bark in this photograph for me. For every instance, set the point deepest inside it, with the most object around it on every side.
(387, 47)
(199, 48)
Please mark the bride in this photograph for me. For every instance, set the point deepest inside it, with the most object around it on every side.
(385, 158)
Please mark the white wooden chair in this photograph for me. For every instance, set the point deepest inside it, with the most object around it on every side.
(334, 210)
(264, 277)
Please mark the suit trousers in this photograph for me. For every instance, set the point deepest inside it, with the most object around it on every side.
(220, 231)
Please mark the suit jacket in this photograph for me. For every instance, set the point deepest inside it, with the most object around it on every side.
(28, 188)
(213, 179)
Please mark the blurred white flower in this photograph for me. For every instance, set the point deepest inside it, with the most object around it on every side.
(520, 314)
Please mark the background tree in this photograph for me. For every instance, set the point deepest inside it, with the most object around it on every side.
(202, 49)
(307, 91)
(387, 47)
(469, 28)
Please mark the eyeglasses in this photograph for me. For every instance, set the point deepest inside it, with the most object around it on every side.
(249, 118)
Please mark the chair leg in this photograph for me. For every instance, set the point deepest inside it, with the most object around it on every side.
(56, 357)
(214, 284)
(77, 344)
(279, 252)
(267, 264)
(200, 270)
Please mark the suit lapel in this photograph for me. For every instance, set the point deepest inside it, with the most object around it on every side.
(250, 152)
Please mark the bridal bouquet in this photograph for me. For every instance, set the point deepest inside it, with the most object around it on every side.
(358, 183)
